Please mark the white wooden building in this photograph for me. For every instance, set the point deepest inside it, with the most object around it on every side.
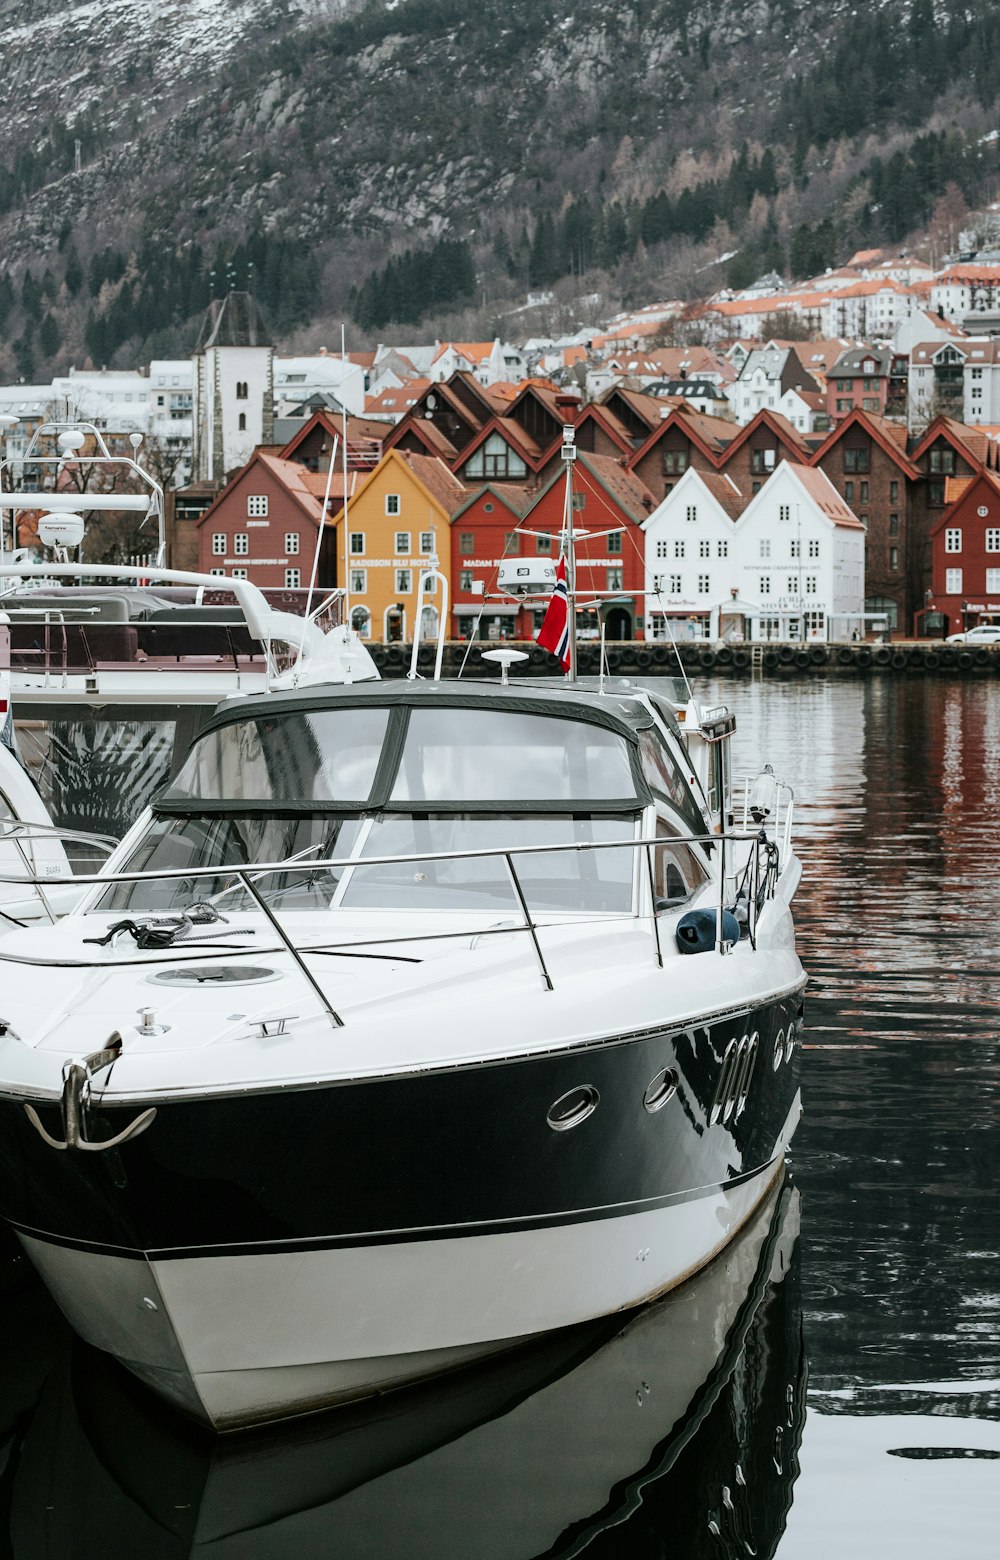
(784, 564)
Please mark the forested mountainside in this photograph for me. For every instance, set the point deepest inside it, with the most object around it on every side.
(397, 163)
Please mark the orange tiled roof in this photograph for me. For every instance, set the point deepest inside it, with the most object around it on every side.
(436, 478)
(397, 400)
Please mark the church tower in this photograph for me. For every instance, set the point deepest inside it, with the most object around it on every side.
(233, 402)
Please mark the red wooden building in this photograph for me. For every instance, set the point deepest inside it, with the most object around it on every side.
(965, 553)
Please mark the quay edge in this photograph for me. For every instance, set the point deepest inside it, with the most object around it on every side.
(772, 659)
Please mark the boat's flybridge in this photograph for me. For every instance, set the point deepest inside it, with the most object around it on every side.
(418, 798)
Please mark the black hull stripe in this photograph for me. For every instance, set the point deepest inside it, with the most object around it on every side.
(398, 1237)
(584, 1048)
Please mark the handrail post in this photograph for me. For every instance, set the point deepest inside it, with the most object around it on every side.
(652, 904)
(528, 922)
(335, 1018)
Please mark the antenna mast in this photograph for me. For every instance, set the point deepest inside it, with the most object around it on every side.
(569, 547)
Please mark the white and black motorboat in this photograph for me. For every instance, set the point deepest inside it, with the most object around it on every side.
(414, 1019)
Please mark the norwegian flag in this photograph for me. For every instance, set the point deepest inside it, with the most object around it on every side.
(554, 632)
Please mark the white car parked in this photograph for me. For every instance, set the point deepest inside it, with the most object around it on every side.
(985, 634)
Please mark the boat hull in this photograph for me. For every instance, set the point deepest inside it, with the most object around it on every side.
(258, 1255)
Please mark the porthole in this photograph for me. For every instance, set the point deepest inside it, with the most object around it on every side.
(662, 1088)
(573, 1107)
(749, 1062)
(722, 1088)
(779, 1049)
(790, 1039)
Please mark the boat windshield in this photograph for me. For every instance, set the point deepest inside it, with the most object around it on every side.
(231, 841)
(591, 881)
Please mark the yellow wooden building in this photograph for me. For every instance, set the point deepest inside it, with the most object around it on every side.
(398, 519)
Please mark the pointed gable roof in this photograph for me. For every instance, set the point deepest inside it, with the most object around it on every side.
(289, 473)
(783, 430)
(713, 436)
(972, 443)
(889, 435)
(441, 485)
(957, 489)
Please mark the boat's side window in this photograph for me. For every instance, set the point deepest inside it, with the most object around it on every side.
(662, 775)
(678, 869)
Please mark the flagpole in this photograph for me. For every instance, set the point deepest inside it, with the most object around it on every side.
(569, 456)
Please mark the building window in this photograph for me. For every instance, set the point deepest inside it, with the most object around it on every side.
(863, 492)
(870, 403)
(359, 581)
(466, 543)
(993, 539)
(814, 549)
(795, 548)
(704, 549)
(403, 543)
(615, 577)
(765, 584)
(722, 549)
(765, 548)
(495, 458)
(784, 512)
(257, 506)
(663, 549)
(755, 487)
(543, 544)
(615, 542)
(678, 549)
(814, 623)
(239, 574)
(953, 539)
(392, 503)
(579, 500)
(241, 390)
(291, 542)
(676, 584)
(894, 557)
(993, 581)
(849, 492)
(511, 543)
(810, 585)
(893, 525)
(361, 622)
(293, 579)
(357, 542)
(404, 582)
(675, 462)
(691, 514)
(763, 460)
(241, 544)
(953, 582)
(704, 584)
(857, 459)
(427, 542)
(893, 492)
(935, 494)
(219, 544)
(943, 462)
(465, 579)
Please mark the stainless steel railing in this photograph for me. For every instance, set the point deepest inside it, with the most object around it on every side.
(762, 887)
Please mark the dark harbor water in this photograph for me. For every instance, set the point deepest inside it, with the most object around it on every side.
(817, 1395)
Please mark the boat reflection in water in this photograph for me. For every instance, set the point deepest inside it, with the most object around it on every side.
(672, 1431)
